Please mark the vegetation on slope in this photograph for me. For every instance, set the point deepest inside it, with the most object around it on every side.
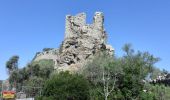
(65, 86)
(31, 78)
(103, 78)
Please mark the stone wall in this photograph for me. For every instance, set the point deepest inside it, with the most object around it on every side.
(82, 41)
(76, 21)
(50, 54)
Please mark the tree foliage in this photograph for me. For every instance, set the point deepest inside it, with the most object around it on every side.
(104, 77)
(129, 72)
(102, 72)
(136, 66)
(33, 75)
(12, 64)
(65, 86)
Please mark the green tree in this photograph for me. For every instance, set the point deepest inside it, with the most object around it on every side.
(102, 72)
(127, 74)
(33, 86)
(155, 73)
(136, 66)
(33, 72)
(12, 64)
(42, 68)
(66, 86)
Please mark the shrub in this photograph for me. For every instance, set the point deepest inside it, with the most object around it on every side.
(64, 86)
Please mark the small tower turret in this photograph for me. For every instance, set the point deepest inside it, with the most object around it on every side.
(68, 26)
(80, 19)
(73, 23)
(98, 20)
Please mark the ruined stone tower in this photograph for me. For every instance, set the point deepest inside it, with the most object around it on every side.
(79, 20)
(82, 41)
(77, 24)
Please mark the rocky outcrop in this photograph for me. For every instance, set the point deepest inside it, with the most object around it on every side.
(47, 54)
(82, 41)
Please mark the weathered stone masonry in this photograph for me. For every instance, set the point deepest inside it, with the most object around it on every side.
(81, 42)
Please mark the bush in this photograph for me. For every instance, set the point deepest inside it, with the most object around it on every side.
(147, 96)
(44, 98)
(65, 86)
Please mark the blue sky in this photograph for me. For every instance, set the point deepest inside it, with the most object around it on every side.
(28, 26)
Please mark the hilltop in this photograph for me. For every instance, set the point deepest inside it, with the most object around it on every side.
(82, 41)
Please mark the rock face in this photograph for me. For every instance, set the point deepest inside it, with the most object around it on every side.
(81, 42)
(48, 54)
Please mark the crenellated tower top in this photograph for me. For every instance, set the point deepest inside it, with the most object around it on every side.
(74, 21)
(98, 20)
(75, 24)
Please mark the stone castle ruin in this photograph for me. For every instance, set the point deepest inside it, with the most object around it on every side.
(82, 41)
